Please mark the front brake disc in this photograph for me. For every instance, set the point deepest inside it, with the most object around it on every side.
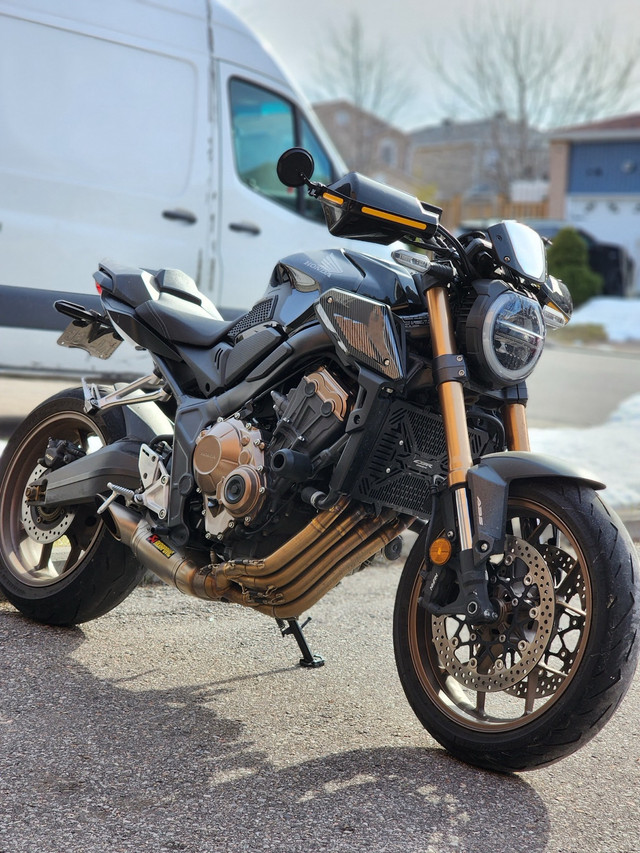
(494, 657)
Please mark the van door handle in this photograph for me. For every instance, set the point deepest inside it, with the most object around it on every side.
(245, 227)
(180, 215)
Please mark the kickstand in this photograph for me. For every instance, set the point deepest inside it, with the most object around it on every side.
(308, 659)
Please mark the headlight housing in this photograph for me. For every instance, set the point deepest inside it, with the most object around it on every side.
(504, 334)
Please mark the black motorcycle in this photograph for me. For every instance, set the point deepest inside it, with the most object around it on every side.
(266, 458)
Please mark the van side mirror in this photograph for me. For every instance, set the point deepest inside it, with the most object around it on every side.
(295, 167)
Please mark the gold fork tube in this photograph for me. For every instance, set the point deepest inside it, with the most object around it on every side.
(451, 393)
(514, 416)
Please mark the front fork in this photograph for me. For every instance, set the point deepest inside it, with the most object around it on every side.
(449, 374)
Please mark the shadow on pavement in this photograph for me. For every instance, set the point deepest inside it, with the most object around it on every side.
(98, 765)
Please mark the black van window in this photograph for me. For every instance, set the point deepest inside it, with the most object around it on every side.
(264, 125)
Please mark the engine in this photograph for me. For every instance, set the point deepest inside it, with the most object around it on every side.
(229, 469)
(245, 473)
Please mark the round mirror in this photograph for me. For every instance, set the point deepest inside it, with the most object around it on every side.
(295, 167)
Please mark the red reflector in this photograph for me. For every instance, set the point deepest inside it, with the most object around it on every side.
(99, 288)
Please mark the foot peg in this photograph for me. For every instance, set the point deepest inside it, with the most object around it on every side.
(292, 626)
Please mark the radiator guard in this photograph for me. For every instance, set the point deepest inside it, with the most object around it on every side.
(408, 452)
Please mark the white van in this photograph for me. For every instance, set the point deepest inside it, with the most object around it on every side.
(145, 131)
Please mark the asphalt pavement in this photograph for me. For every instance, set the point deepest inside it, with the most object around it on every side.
(581, 386)
(173, 724)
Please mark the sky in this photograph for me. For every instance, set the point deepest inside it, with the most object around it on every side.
(294, 29)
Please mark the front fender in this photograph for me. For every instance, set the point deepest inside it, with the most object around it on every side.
(488, 483)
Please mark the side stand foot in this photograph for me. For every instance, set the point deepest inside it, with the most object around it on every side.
(292, 626)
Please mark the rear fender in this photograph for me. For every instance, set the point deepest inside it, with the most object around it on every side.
(145, 421)
(489, 482)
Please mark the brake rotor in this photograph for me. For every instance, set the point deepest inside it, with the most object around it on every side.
(41, 524)
(558, 662)
(495, 657)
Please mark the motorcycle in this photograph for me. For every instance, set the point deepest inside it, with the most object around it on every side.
(265, 458)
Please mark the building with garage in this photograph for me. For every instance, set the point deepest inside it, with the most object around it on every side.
(595, 180)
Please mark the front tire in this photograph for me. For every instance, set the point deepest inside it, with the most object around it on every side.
(543, 680)
(61, 567)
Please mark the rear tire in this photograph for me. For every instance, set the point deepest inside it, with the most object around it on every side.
(541, 682)
(84, 572)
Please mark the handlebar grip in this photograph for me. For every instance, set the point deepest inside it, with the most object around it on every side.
(444, 272)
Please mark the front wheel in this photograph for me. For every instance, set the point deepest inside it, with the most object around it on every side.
(60, 565)
(536, 685)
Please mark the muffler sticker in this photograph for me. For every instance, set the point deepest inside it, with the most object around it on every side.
(157, 542)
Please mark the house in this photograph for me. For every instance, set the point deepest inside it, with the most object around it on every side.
(474, 169)
(478, 158)
(368, 144)
(595, 179)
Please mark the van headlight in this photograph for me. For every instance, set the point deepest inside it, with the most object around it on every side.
(505, 334)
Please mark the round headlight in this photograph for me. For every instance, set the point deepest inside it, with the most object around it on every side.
(513, 333)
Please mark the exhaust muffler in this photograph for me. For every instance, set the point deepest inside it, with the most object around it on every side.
(173, 567)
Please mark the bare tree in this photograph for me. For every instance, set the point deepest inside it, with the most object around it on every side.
(351, 66)
(514, 63)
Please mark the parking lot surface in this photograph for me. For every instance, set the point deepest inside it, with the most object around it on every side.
(174, 724)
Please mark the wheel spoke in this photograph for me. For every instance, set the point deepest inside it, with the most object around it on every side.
(535, 535)
(74, 554)
(532, 685)
(568, 580)
(45, 554)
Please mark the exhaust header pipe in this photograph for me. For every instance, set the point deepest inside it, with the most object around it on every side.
(283, 585)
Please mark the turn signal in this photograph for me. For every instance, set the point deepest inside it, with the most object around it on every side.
(440, 551)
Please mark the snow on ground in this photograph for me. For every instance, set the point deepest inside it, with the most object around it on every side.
(620, 317)
(610, 451)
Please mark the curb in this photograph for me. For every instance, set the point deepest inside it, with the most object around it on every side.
(631, 518)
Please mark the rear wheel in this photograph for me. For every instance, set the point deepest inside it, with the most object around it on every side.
(537, 684)
(59, 566)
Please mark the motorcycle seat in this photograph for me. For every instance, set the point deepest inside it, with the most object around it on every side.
(167, 301)
(185, 322)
